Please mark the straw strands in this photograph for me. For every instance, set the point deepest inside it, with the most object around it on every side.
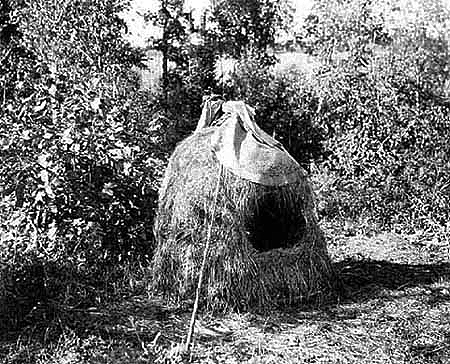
(266, 246)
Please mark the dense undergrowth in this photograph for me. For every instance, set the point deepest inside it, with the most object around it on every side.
(81, 151)
(83, 148)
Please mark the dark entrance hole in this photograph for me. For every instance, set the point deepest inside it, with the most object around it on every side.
(273, 222)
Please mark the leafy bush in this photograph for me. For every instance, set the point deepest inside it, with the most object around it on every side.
(387, 147)
(383, 113)
(82, 150)
(389, 159)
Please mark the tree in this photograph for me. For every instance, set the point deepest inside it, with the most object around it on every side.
(172, 21)
(250, 26)
(344, 26)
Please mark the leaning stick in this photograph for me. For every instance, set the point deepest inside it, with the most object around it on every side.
(202, 268)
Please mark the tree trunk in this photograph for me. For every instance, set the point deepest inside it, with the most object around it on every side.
(165, 47)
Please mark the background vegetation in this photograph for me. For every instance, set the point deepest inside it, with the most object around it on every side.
(83, 148)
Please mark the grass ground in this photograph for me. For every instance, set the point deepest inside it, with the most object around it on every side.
(395, 309)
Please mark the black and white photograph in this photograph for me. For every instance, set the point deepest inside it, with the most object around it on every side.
(225, 181)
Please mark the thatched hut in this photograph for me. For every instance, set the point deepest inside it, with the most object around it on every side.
(234, 179)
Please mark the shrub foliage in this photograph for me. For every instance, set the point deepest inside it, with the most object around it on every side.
(79, 148)
(384, 112)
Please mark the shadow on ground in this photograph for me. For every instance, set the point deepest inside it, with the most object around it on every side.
(141, 318)
(370, 276)
(142, 321)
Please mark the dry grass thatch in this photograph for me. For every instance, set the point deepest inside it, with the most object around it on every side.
(266, 246)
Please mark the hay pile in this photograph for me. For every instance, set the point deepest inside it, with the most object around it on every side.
(266, 246)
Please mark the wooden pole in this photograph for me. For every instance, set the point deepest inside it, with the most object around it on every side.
(202, 268)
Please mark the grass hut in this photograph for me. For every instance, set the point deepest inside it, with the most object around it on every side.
(266, 247)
